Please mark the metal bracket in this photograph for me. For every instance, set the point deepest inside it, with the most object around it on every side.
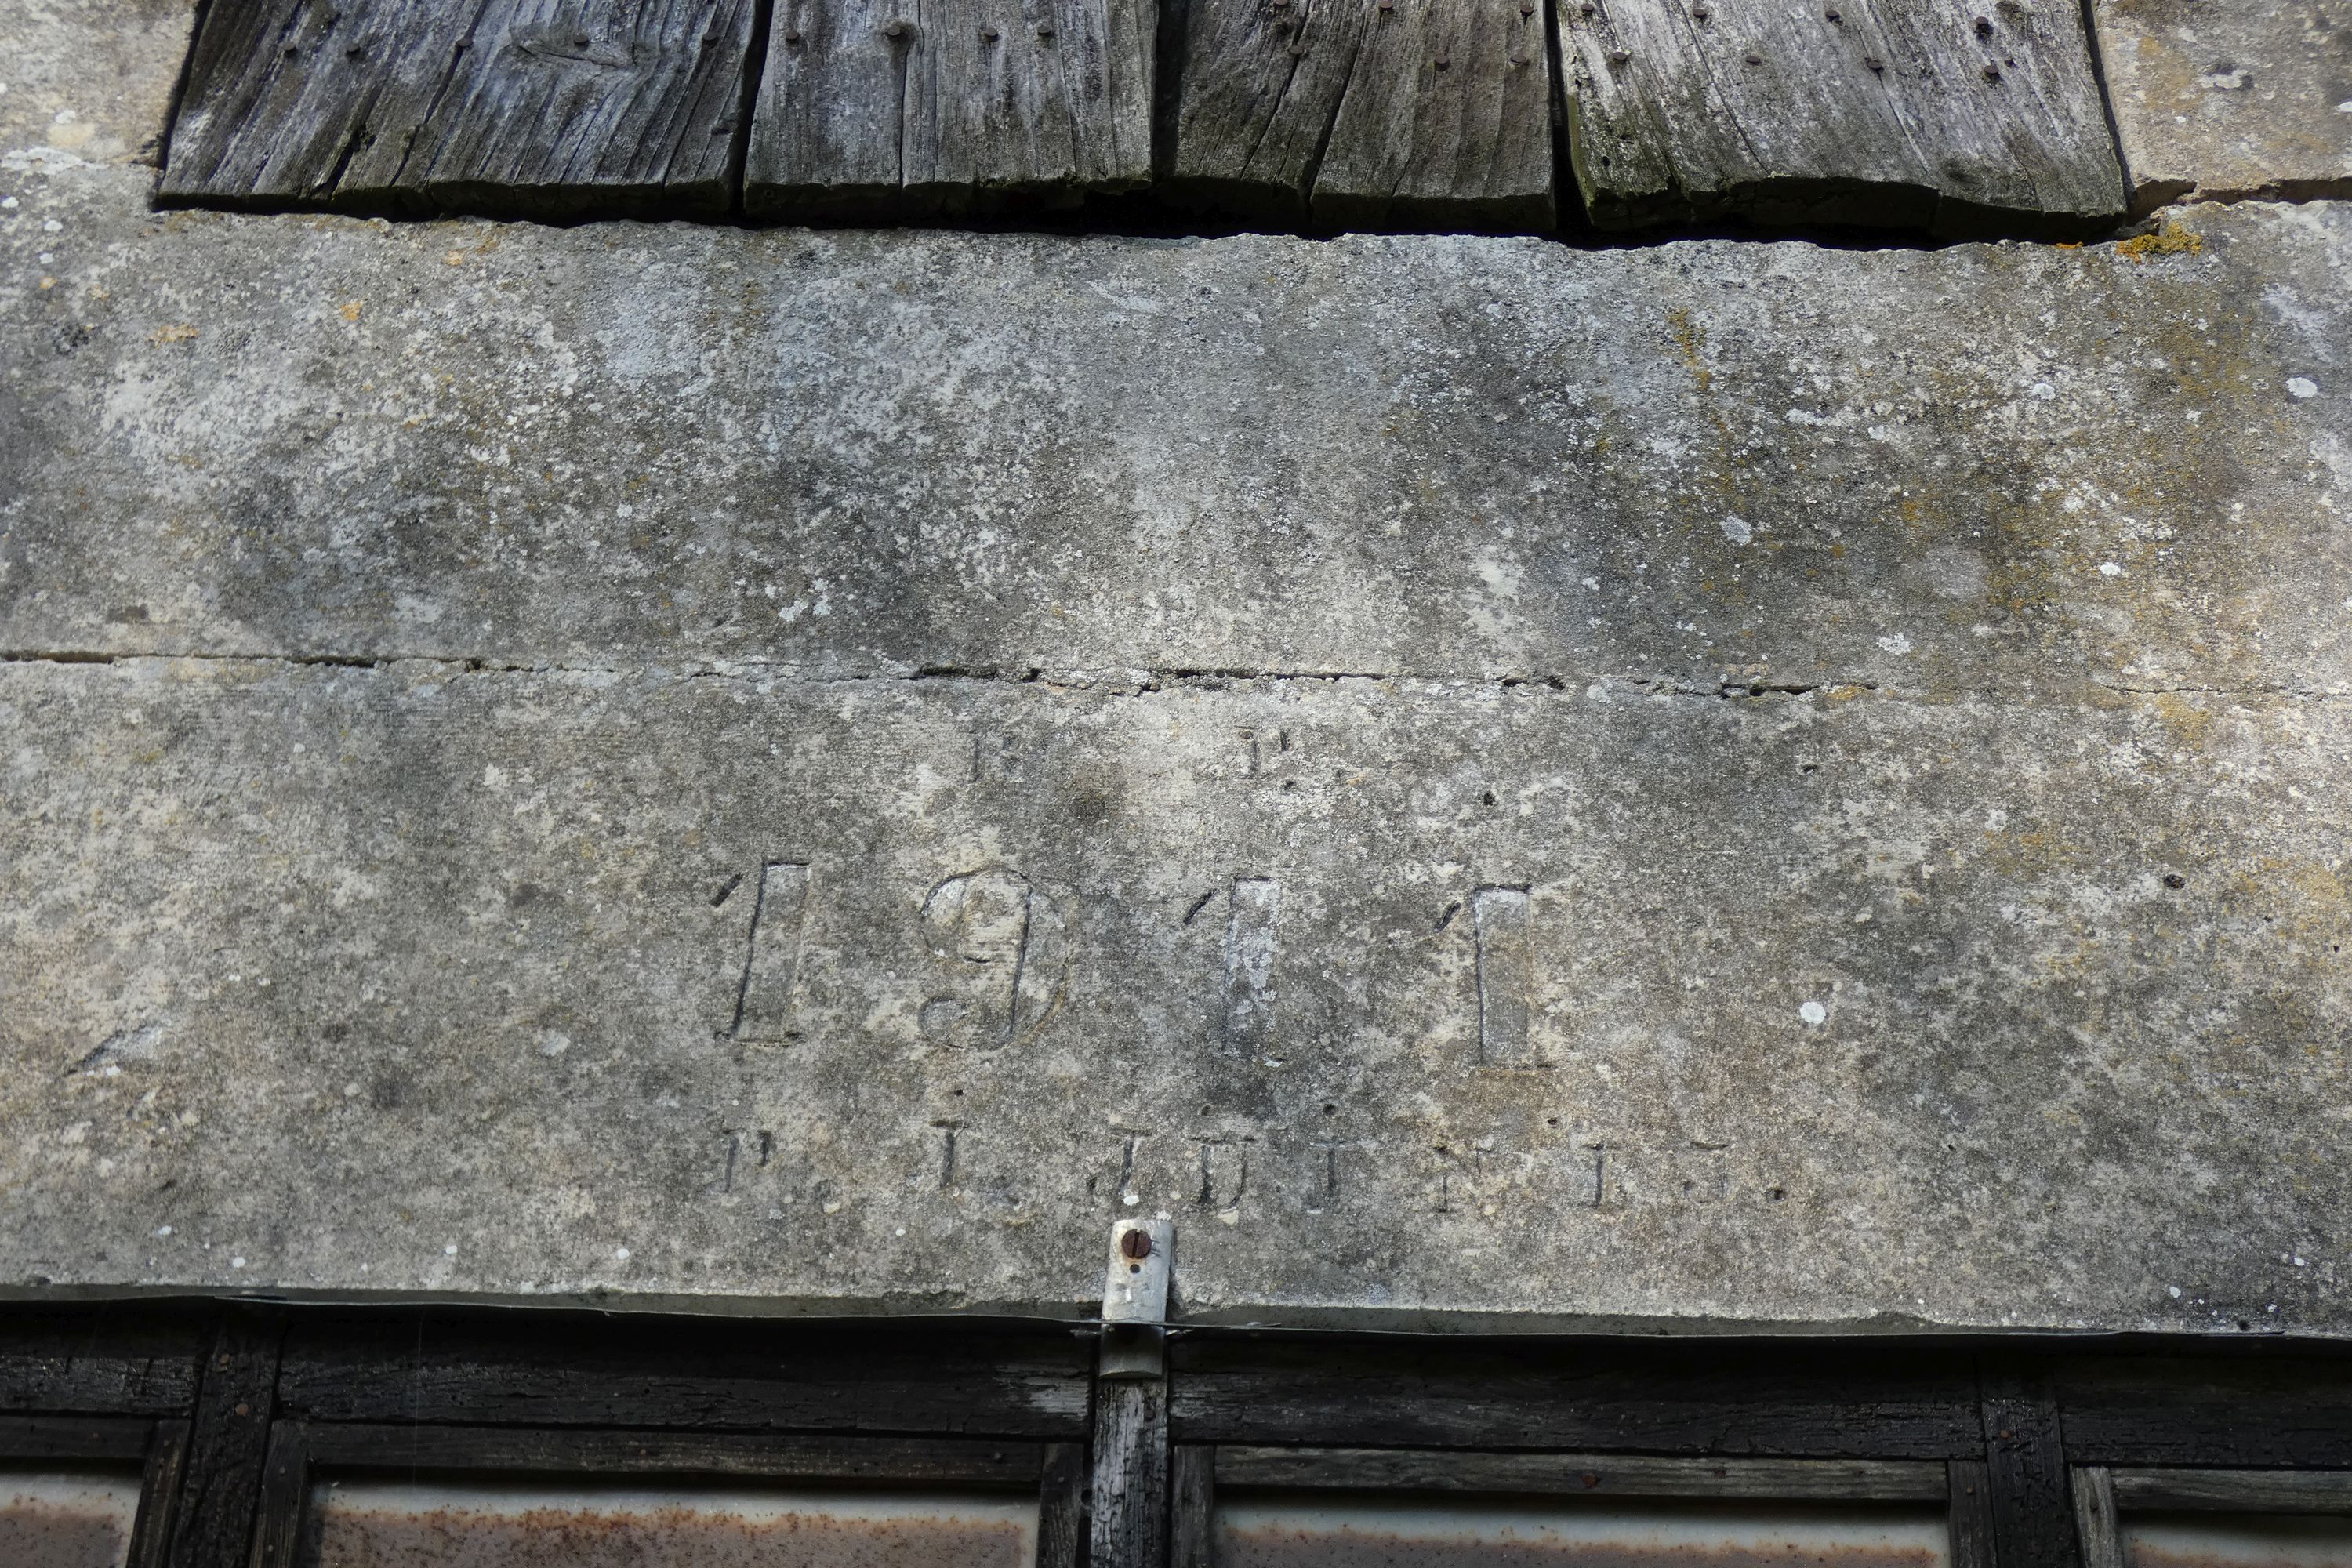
(1135, 1299)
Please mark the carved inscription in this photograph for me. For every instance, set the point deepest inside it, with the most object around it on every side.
(1506, 977)
(1005, 949)
(763, 1001)
(1249, 966)
(1224, 1173)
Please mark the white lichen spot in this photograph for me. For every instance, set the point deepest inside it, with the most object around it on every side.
(237, 1263)
(163, 1230)
(1814, 1013)
(450, 1250)
(2301, 386)
(2109, 569)
(1737, 531)
(1897, 644)
(620, 1255)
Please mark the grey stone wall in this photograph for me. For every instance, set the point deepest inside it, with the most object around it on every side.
(1494, 782)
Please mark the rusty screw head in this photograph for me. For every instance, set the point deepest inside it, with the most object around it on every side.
(1135, 1246)
(2175, 881)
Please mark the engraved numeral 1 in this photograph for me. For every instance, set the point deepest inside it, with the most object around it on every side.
(1506, 973)
(763, 1003)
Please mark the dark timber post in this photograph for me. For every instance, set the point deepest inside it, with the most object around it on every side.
(1130, 1470)
(220, 1486)
(2025, 1454)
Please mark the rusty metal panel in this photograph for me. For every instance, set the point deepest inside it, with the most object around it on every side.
(1317, 1532)
(370, 1525)
(2237, 1541)
(66, 1521)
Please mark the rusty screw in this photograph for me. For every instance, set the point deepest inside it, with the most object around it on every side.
(1135, 1246)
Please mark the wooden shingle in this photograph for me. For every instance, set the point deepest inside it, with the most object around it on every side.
(897, 107)
(1364, 113)
(1958, 116)
(527, 106)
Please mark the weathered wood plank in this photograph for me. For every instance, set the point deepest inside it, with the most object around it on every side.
(2232, 1491)
(540, 107)
(2173, 1411)
(1595, 1475)
(285, 1491)
(2096, 1525)
(1797, 1403)
(105, 1367)
(1955, 116)
(1061, 1505)
(1130, 1475)
(2025, 1454)
(74, 1438)
(966, 1462)
(1969, 1512)
(1009, 1386)
(1446, 119)
(1364, 113)
(221, 1481)
(900, 107)
(1193, 1506)
(159, 1489)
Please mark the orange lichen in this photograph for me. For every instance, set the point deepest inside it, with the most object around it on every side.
(2171, 240)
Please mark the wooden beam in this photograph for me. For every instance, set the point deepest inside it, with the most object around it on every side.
(159, 1490)
(57, 1365)
(1364, 113)
(2183, 1411)
(1969, 1512)
(1061, 1505)
(221, 1479)
(505, 106)
(1798, 1403)
(818, 1379)
(892, 108)
(1578, 1475)
(1193, 1506)
(939, 1461)
(2096, 1526)
(2025, 1454)
(1130, 1475)
(2232, 1491)
(1955, 116)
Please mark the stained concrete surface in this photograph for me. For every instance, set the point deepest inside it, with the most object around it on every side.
(2227, 100)
(1498, 784)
